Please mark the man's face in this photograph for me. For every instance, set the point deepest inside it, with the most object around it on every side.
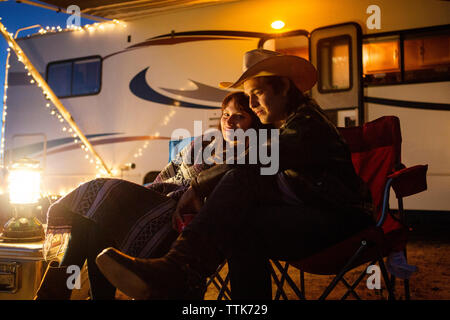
(270, 107)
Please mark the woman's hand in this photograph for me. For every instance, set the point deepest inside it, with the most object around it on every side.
(188, 203)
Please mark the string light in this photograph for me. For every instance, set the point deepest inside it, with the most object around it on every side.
(89, 27)
(139, 152)
(52, 111)
(4, 107)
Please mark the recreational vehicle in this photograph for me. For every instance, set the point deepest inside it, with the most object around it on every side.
(129, 84)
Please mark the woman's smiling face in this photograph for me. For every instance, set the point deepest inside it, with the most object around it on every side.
(233, 118)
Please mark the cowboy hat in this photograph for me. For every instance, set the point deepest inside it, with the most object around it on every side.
(261, 62)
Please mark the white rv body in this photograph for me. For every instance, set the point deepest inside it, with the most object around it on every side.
(131, 129)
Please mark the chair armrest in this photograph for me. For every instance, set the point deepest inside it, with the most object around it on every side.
(409, 181)
(405, 182)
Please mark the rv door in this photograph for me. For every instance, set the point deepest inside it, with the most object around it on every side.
(336, 52)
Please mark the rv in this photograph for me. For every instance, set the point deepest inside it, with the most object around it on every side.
(129, 84)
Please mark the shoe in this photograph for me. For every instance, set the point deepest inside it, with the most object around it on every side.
(180, 274)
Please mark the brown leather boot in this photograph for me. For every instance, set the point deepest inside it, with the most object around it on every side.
(54, 284)
(180, 274)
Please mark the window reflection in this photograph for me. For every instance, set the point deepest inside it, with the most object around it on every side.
(334, 64)
(426, 57)
(59, 78)
(75, 78)
(86, 75)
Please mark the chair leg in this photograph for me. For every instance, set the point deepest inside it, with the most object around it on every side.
(278, 282)
(213, 276)
(407, 292)
(224, 291)
(406, 281)
(386, 278)
(351, 288)
(220, 288)
(344, 270)
(284, 272)
(221, 285)
(290, 282)
(302, 283)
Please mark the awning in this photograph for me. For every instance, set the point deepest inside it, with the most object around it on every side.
(123, 9)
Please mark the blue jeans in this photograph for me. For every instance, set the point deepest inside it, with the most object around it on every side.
(246, 220)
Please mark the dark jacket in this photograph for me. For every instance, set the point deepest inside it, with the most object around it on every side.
(316, 160)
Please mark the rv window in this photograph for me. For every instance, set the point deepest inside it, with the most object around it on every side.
(294, 45)
(59, 78)
(381, 60)
(75, 78)
(427, 57)
(408, 56)
(334, 56)
(86, 77)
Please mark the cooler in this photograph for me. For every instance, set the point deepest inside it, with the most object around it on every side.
(21, 269)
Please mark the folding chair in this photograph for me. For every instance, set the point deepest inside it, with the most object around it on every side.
(376, 156)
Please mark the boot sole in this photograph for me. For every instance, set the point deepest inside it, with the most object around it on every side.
(122, 278)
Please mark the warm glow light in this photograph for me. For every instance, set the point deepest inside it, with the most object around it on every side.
(277, 25)
(24, 184)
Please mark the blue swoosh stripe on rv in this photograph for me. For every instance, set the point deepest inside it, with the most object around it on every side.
(140, 88)
(30, 149)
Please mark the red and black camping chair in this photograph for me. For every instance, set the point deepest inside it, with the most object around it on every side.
(376, 156)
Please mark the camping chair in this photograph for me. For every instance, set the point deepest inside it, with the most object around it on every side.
(375, 148)
(376, 155)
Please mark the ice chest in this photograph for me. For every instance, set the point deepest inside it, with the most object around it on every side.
(21, 269)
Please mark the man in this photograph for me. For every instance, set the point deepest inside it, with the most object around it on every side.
(315, 200)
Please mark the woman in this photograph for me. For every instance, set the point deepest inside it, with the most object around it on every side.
(138, 220)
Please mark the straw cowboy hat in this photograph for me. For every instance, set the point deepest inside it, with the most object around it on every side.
(260, 63)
